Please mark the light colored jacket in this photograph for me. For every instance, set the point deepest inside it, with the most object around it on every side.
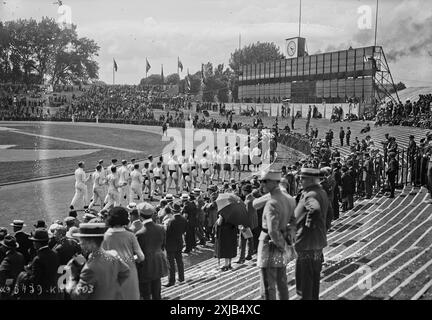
(278, 213)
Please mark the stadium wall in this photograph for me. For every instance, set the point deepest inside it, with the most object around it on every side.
(275, 109)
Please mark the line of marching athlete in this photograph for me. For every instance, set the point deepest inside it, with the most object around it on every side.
(118, 186)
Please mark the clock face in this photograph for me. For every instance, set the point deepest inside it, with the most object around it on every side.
(291, 48)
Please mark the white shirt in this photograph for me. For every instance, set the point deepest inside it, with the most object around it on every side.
(80, 176)
(98, 180)
(205, 164)
(245, 151)
(193, 160)
(124, 174)
(172, 164)
(113, 183)
(157, 172)
(136, 177)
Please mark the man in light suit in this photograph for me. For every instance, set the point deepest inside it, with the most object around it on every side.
(175, 229)
(272, 256)
(101, 276)
(151, 239)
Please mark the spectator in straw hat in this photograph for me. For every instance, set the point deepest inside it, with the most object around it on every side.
(101, 276)
(126, 244)
(175, 229)
(42, 272)
(151, 239)
(10, 266)
(312, 225)
(22, 238)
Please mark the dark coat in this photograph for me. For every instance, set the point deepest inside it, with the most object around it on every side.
(176, 227)
(10, 268)
(66, 249)
(43, 274)
(312, 219)
(347, 185)
(226, 240)
(190, 211)
(151, 239)
(25, 244)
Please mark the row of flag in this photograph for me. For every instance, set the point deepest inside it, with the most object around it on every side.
(204, 71)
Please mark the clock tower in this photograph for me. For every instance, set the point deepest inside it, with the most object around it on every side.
(295, 47)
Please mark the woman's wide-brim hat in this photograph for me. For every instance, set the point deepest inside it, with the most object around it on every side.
(91, 230)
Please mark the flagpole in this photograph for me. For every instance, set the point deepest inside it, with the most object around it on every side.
(178, 72)
(300, 18)
(376, 23)
(146, 67)
(113, 73)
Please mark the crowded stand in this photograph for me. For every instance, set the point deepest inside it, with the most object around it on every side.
(119, 220)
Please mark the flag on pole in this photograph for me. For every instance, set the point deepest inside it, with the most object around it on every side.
(180, 65)
(148, 66)
(115, 65)
(162, 75)
(188, 83)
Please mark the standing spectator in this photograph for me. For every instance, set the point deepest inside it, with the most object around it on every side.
(64, 247)
(393, 168)
(311, 239)
(226, 242)
(246, 235)
(22, 238)
(135, 222)
(190, 212)
(42, 272)
(175, 229)
(126, 244)
(348, 136)
(10, 267)
(272, 255)
(101, 276)
(151, 239)
(341, 136)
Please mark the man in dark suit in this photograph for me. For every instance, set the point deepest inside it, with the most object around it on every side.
(10, 267)
(175, 229)
(190, 213)
(341, 136)
(42, 272)
(347, 190)
(22, 238)
(151, 239)
(348, 136)
(392, 171)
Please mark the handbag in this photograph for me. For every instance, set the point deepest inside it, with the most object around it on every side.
(246, 233)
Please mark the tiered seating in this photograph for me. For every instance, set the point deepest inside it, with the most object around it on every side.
(392, 237)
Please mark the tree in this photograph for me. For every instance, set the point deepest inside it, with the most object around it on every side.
(42, 50)
(255, 53)
(151, 80)
(172, 79)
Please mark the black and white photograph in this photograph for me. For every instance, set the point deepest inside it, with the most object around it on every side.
(226, 152)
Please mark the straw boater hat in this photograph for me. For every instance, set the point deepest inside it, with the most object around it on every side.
(131, 206)
(185, 196)
(169, 197)
(18, 223)
(91, 230)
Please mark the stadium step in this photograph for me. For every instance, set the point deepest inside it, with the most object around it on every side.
(393, 233)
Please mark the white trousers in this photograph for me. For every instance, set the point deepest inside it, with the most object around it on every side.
(135, 190)
(81, 192)
(97, 197)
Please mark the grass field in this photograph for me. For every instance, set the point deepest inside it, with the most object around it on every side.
(149, 143)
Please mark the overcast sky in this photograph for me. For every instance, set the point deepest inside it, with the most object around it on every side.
(208, 30)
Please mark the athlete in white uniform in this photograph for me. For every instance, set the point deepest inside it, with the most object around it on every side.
(236, 161)
(98, 187)
(205, 169)
(157, 178)
(151, 185)
(112, 197)
(227, 166)
(123, 180)
(81, 191)
(193, 166)
(173, 172)
(245, 158)
(185, 172)
(217, 164)
(137, 181)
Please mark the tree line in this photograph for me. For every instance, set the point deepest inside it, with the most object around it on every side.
(33, 52)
